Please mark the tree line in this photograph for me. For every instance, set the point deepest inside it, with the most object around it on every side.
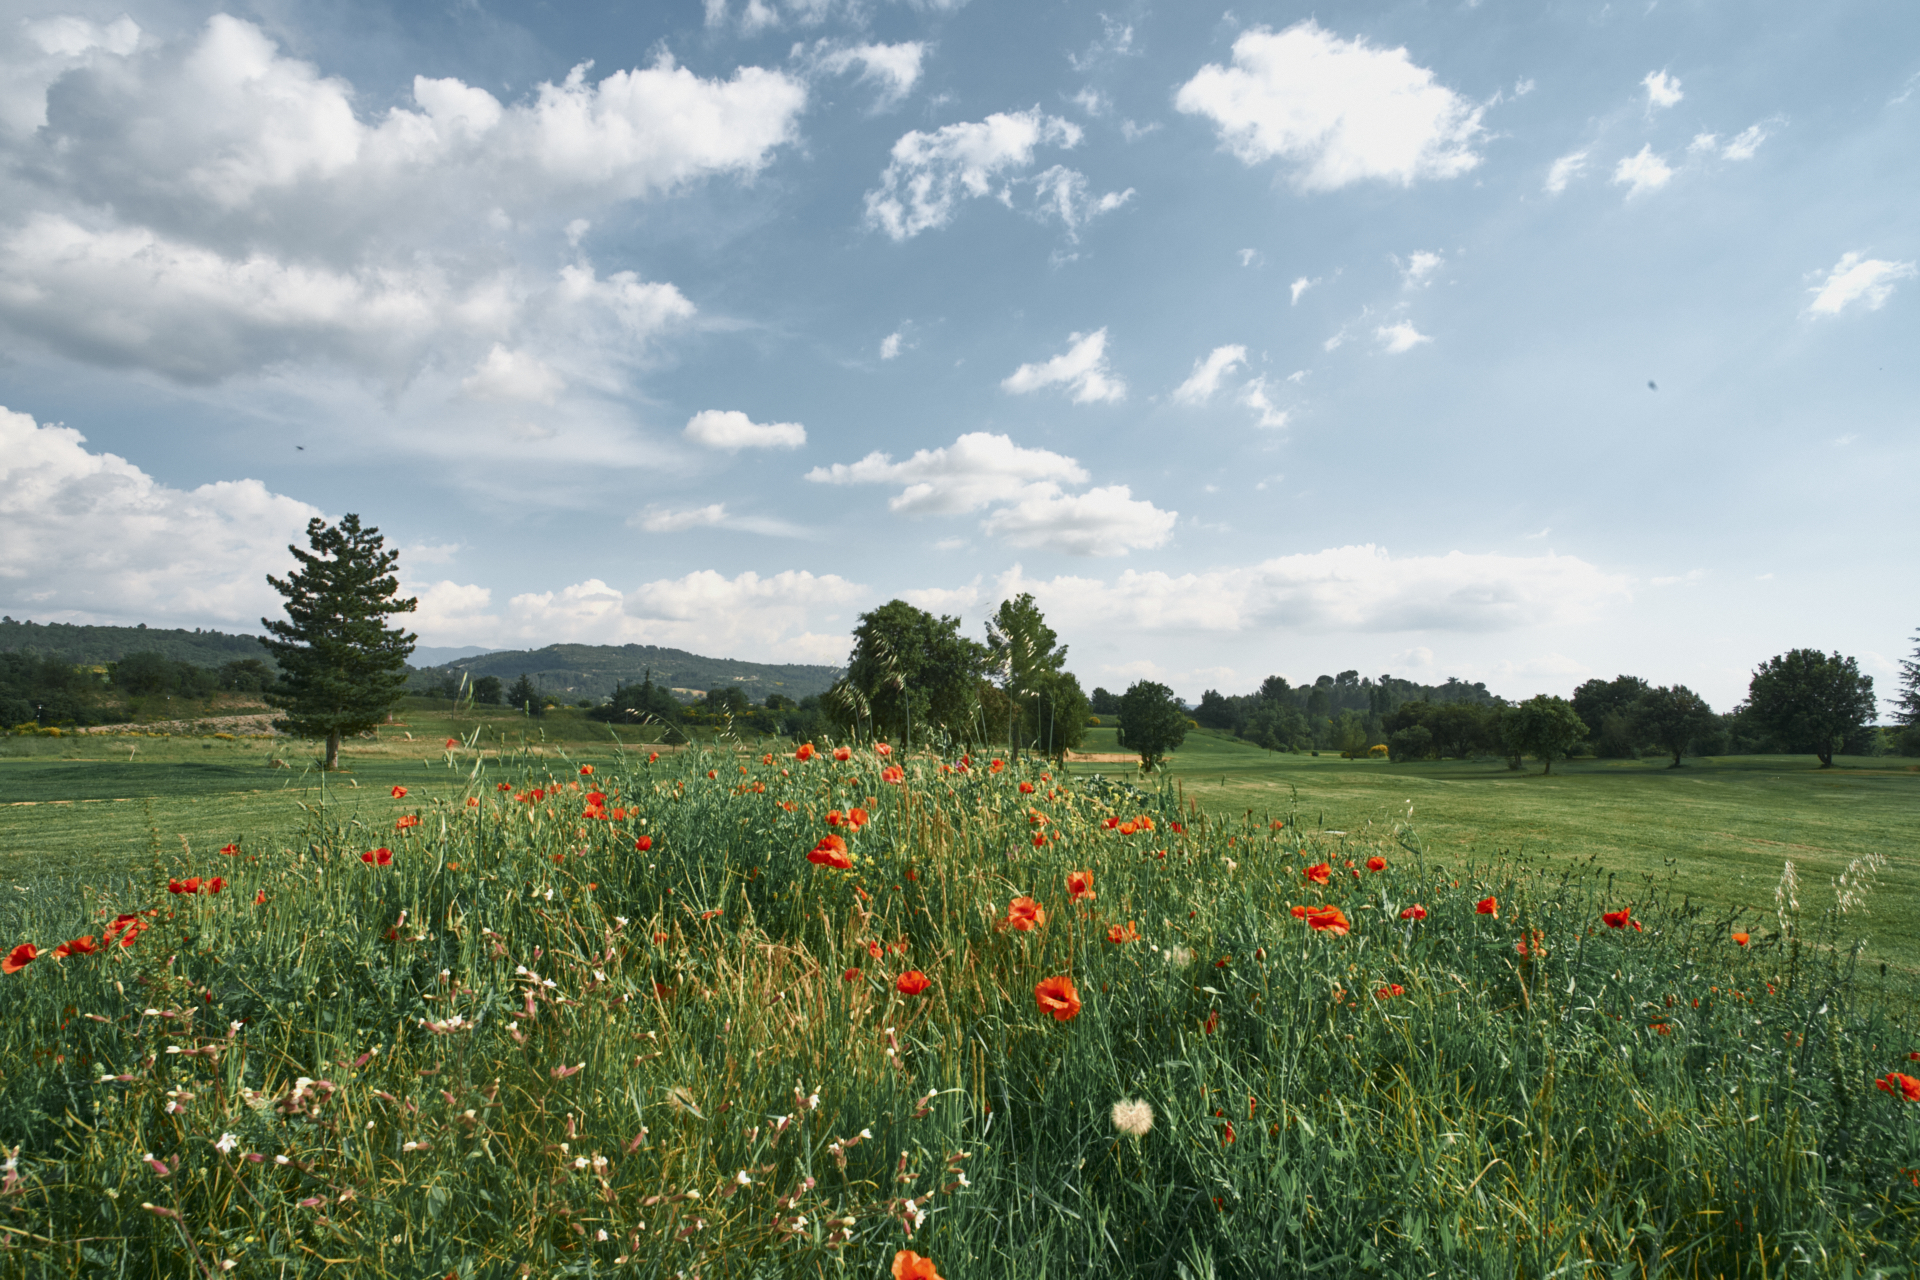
(41, 690)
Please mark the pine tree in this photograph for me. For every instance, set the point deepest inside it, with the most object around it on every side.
(341, 666)
(1907, 702)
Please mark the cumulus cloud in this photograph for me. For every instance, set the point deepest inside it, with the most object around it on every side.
(931, 172)
(732, 430)
(1082, 368)
(210, 207)
(1743, 144)
(771, 618)
(1024, 486)
(1399, 338)
(1642, 172)
(1255, 398)
(1340, 111)
(1354, 588)
(1663, 90)
(893, 69)
(1858, 278)
(1565, 170)
(890, 345)
(1099, 522)
(513, 375)
(1419, 267)
(1300, 286)
(1063, 193)
(974, 471)
(91, 537)
(1207, 374)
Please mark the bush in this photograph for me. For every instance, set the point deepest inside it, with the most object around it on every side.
(511, 1037)
(1415, 743)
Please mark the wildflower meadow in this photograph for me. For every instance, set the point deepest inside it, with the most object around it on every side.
(849, 1011)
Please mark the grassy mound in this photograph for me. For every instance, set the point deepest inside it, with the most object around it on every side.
(640, 1022)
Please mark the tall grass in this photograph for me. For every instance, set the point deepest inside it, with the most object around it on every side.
(526, 1047)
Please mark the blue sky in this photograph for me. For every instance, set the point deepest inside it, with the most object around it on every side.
(1518, 342)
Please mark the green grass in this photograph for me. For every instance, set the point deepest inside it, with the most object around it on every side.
(1717, 830)
(634, 1025)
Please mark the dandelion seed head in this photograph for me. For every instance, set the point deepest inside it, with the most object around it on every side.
(1133, 1117)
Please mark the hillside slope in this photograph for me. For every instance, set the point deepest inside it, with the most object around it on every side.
(593, 670)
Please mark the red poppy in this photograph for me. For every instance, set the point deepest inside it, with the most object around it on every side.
(1487, 906)
(842, 754)
(586, 771)
(398, 792)
(1660, 1028)
(851, 975)
(831, 852)
(75, 947)
(893, 773)
(996, 766)
(184, 886)
(231, 850)
(1024, 915)
(1111, 823)
(1389, 991)
(858, 818)
(407, 822)
(1057, 996)
(1620, 919)
(908, 1265)
(1123, 933)
(19, 958)
(912, 983)
(260, 898)
(1376, 863)
(1226, 1132)
(1329, 920)
(215, 885)
(1080, 885)
(643, 844)
(1212, 1023)
(1026, 788)
(835, 817)
(1895, 1082)
(381, 857)
(1414, 912)
(1299, 913)
(1174, 826)
(1319, 873)
(652, 757)
(806, 752)
(130, 925)
(882, 749)
(1039, 839)
(1127, 828)
(1740, 939)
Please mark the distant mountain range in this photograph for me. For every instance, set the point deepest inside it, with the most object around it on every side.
(572, 670)
(594, 670)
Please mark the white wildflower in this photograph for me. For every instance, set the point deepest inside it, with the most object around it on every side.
(1133, 1117)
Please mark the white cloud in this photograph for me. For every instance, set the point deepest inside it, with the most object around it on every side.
(1703, 142)
(91, 537)
(1099, 522)
(1093, 102)
(1744, 144)
(1207, 373)
(657, 519)
(1642, 172)
(1341, 111)
(1025, 486)
(1857, 278)
(944, 599)
(513, 375)
(974, 471)
(1083, 368)
(664, 521)
(1663, 90)
(931, 172)
(1063, 193)
(1354, 588)
(1255, 398)
(1133, 132)
(1687, 579)
(763, 618)
(730, 429)
(890, 345)
(893, 68)
(1251, 258)
(50, 48)
(1400, 337)
(1420, 265)
(1300, 286)
(1565, 170)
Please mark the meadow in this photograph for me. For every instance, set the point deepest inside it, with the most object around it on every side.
(567, 1009)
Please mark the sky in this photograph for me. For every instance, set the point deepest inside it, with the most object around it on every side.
(1518, 341)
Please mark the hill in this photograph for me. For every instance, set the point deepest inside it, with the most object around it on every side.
(593, 671)
(89, 646)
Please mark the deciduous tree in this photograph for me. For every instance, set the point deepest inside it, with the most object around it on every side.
(1152, 722)
(342, 667)
(1547, 728)
(1811, 701)
(1673, 716)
